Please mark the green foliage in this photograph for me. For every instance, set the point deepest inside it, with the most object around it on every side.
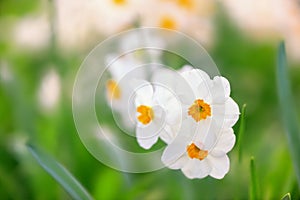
(16, 8)
(288, 110)
(60, 174)
(286, 197)
(253, 183)
(248, 65)
(241, 132)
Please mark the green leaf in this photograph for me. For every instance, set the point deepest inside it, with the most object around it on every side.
(253, 178)
(288, 110)
(60, 174)
(241, 132)
(286, 197)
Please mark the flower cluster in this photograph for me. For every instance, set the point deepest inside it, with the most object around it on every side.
(100, 18)
(192, 113)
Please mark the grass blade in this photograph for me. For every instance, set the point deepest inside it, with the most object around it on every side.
(288, 110)
(286, 197)
(253, 179)
(241, 132)
(60, 174)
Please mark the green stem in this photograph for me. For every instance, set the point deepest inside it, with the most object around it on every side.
(253, 185)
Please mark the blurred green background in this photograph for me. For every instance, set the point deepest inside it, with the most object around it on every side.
(36, 80)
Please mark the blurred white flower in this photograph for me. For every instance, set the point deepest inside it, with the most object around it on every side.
(142, 39)
(157, 112)
(192, 17)
(185, 68)
(167, 15)
(269, 20)
(49, 91)
(105, 134)
(105, 17)
(32, 32)
(210, 101)
(257, 17)
(120, 66)
(122, 70)
(75, 22)
(116, 15)
(289, 20)
(5, 73)
(80, 21)
(199, 155)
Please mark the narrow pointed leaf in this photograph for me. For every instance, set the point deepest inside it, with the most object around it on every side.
(286, 197)
(60, 174)
(241, 132)
(288, 110)
(253, 181)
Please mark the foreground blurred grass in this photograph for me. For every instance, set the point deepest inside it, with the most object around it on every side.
(250, 68)
(288, 110)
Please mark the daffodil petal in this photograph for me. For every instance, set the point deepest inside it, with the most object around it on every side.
(170, 85)
(149, 130)
(195, 76)
(147, 143)
(201, 130)
(174, 111)
(203, 92)
(145, 137)
(218, 109)
(185, 94)
(162, 95)
(143, 91)
(167, 134)
(127, 120)
(199, 83)
(232, 113)
(196, 168)
(159, 115)
(115, 66)
(226, 115)
(212, 136)
(231, 107)
(180, 162)
(220, 166)
(224, 143)
(174, 151)
(166, 77)
(220, 89)
(123, 66)
(187, 130)
(185, 68)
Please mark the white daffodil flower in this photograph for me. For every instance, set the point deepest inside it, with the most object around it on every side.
(118, 90)
(158, 113)
(148, 44)
(210, 100)
(201, 144)
(199, 155)
(204, 100)
(194, 17)
(50, 90)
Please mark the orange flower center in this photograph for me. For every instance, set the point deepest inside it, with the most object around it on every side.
(146, 114)
(188, 4)
(194, 152)
(199, 110)
(113, 89)
(168, 23)
(119, 2)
